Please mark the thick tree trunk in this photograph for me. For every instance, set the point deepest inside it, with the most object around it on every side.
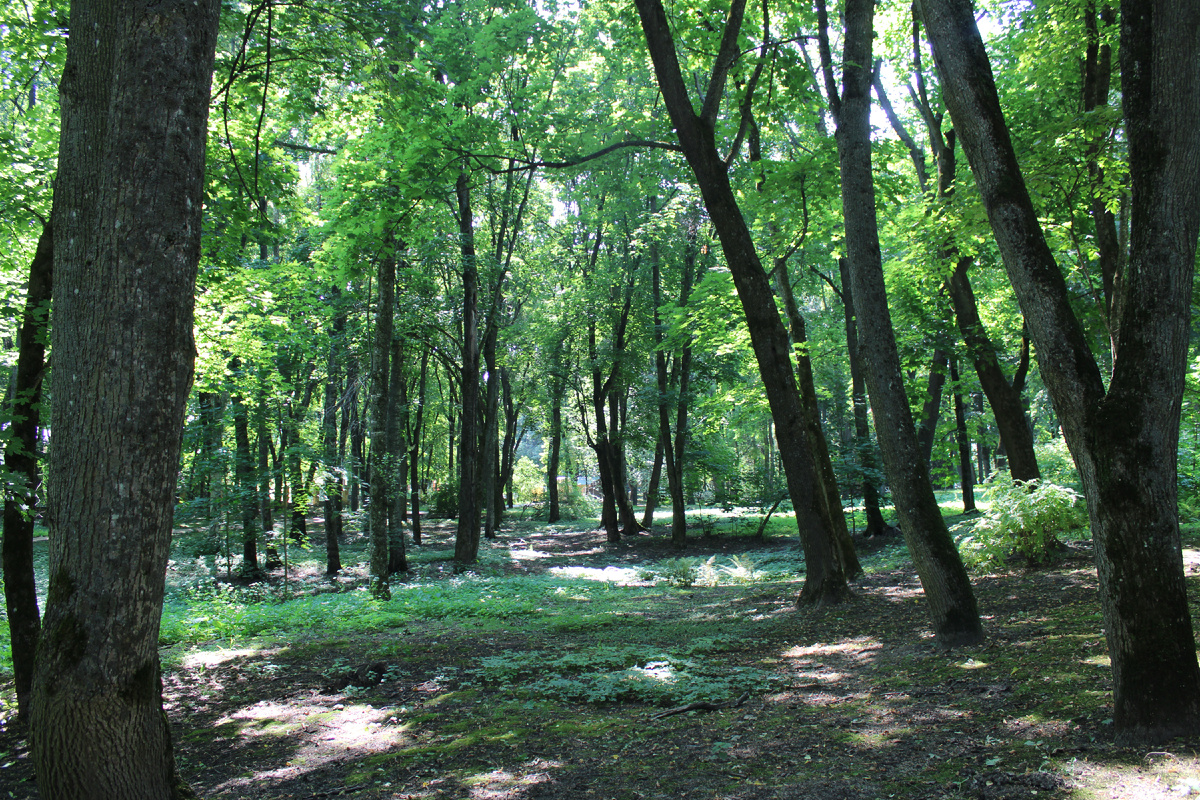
(1125, 439)
(127, 221)
(379, 476)
(20, 459)
(943, 576)
(826, 580)
(466, 545)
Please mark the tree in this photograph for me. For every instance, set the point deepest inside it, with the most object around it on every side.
(126, 244)
(20, 459)
(1125, 438)
(943, 576)
(826, 579)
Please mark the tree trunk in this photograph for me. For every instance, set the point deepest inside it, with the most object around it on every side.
(557, 380)
(816, 436)
(247, 487)
(490, 454)
(653, 486)
(966, 474)
(864, 448)
(395, 458)
(1124, 440)
(1016, 435)
(20, 459)
(329, 434)
(826, 580)
(932, 407)
(379, 475)
(127, 222)
(414, 451)
(943, 576)
(466, 545)
(264, 484)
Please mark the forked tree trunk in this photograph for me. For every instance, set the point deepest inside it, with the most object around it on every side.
(1125, 440)
(127, 222)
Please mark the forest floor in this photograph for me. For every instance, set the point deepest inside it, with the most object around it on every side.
(547, 673)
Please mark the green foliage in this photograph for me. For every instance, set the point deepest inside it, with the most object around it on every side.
(606, 674)
(1023, 518)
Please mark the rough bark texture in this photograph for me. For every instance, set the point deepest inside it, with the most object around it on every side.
(380, 475)
(466, 544)
(127, 209)
(1125, 440)
(825, 581)
(20, 459)
(329, 437)
(944, 578)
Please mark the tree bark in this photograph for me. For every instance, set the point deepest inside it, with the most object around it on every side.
(951, 600)
(965, 471)
(127, 222)
(329, 435)
(20, 459)
(414, 450)
(395, 458)
(826, 580)
(1005, 400)
(863, 446)
(1124, 440)
(243, 476)
(932, 407)
(379, 475)
(466, 545)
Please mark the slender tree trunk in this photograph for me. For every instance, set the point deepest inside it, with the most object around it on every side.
(247, 486)
(20, 459)
(263, 435)
(1124, 439)
(816, 436)
(1016, 435)
(490, 454)
(395, 459)
(967, 475)
(414, 451)
(554, 512)
(863, 446)
(378, 473)
(944, 578)
(826, 580)
(652, 488)
(329, 433)
(127, 221)
(932, 407)
(466, 547)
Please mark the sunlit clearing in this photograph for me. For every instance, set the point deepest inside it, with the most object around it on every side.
(971, 663)
(353, 729)
(862, 648)
(658, 670)
(903, 594)
(213, 658)
(502, 782)
(608, 574)
(527, 554)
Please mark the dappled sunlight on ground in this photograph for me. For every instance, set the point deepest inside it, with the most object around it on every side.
(619, 575)
(207, 659)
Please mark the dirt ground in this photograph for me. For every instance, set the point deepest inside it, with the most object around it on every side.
(864, 705)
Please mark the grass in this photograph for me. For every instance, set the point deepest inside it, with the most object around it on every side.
(544, 667)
